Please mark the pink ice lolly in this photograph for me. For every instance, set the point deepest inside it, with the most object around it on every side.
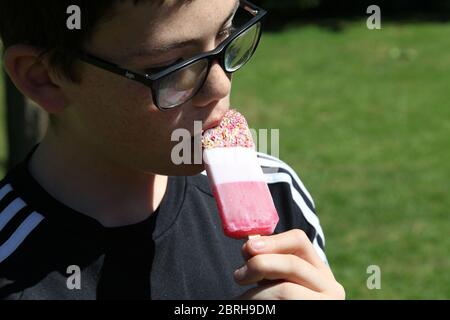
(244, 201)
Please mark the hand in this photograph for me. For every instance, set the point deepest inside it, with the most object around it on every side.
(286, 266)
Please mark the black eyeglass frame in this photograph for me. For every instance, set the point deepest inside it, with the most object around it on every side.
(150, 80)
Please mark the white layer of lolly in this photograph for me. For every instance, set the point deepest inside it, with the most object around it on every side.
(232, 164)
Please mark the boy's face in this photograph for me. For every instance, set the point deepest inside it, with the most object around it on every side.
(115, 116)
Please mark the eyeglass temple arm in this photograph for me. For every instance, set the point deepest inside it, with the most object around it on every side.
(249, 6)
(112, 67)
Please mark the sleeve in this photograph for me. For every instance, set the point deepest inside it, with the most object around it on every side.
(294, 200)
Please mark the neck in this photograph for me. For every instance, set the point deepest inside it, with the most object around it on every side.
(74, 174)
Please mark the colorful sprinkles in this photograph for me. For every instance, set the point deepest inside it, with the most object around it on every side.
(232, 131)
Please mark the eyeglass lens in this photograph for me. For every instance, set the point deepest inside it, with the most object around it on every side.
(178, 87)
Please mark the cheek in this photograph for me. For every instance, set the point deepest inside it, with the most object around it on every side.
(139, 91)
(115, 112)
(131, 120)
(120, 121)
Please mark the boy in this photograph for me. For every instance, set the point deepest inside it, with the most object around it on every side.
(99, 210)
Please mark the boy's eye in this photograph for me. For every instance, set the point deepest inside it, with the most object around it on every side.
(157, 69)
(225, 33)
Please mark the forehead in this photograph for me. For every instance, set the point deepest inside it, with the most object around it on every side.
(151, 23)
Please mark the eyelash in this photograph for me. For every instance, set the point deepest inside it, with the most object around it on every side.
(222, 34)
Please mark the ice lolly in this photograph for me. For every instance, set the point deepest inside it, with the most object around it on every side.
(243, 198)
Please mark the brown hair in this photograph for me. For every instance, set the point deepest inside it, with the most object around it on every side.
(43, 24)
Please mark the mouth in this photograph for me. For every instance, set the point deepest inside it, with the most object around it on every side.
(207, 124)
(198, 136)
(211, 124)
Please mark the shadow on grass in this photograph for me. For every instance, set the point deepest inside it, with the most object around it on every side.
(335, 22)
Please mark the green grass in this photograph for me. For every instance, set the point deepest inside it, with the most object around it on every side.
(367, 129)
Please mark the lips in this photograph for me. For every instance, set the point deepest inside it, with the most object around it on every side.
(211, 124)
(205, 127)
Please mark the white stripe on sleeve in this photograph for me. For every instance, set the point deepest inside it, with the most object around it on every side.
(5, 190)
(10, 211)
(268, 161)
(308, 214)
(27, 226)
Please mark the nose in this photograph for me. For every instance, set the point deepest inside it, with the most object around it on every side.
(217, 86)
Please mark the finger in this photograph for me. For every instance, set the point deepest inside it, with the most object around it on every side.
(245, 252)
(285, 267)
(281, 291)
(294, 242)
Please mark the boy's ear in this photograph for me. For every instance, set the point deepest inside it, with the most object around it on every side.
(32, 77)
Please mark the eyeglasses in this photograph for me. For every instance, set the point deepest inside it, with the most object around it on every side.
(180, 82)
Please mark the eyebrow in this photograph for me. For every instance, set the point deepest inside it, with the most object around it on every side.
(177, 44)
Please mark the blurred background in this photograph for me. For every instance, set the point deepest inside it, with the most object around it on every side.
(364, 119)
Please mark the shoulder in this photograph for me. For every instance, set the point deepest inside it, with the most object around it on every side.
(19, 238)
(17, 220)
(277, 171)
(290, 196)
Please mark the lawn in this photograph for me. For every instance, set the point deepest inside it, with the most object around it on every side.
(364, 119)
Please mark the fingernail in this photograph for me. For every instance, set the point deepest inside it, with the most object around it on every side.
(239, 274)
(257, 244)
